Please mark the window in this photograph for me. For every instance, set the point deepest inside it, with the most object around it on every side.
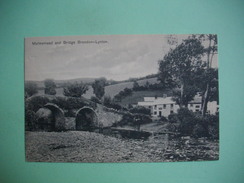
(164, 106)
(197, 106)
(171, 112)
(191, 105)
(171, 105)
(155, 112)
(160, 108)
(197, 110)
(149, 107)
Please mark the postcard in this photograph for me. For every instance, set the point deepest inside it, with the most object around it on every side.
(121, 98)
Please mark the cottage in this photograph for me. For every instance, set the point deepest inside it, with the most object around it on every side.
(164, 106)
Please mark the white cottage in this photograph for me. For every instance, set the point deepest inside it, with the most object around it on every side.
(164, 106)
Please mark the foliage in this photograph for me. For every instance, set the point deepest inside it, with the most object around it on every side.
(163, 119)
(70, 113)
(195, 125)
(140, 110)
(30, 120)
(122, 94)
(95, 99)
(68, 103)
(178, 66)
(213, 126)
(50, 87)
(127, 119)
(75, 89)
(189, 93)
(36, 103)
(199, 131)
(173, 118)
(134, 120)
(136, 86)
(187, 121)
(108, 102)
(139, 119)
(30, 89)
(98, 87)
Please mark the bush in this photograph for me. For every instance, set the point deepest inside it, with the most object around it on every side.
(75, 89)
(187, 121)
(172, 127)
(96, 100)
(36, 103)
(61, 102)
(173, 118)
(213, 126)
(30, 120)
(50, 87)
(30, 89)
(141, 119)
(200, 131)
(163, 119)
(127, 119)
(122, 94)
(99, 87)
(107, 100)
(140, 110)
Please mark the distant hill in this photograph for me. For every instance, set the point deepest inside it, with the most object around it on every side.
(60, 83)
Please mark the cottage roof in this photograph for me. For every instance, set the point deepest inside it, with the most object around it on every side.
(150, 101)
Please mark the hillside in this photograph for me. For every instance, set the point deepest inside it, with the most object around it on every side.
(113, 90)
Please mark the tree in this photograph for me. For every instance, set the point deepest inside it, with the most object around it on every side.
(147, 85)
(210, 51)
(136, 86)
(75, 90)
(98, 87)
(50, 87)
(122, 94)
(178, 66)
(30, 89)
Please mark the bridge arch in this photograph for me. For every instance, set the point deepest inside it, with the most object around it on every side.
(86, 119)
(50, 118)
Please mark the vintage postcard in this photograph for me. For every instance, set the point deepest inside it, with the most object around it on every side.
(122, 98)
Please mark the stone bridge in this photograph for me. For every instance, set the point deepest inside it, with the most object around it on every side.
(51, 117)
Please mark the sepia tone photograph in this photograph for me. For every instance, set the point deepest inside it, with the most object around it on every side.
(121, 98)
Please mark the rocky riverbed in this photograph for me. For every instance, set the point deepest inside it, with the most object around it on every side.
(81, 146)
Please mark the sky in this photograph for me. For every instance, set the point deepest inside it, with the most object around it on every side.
(116, 57)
